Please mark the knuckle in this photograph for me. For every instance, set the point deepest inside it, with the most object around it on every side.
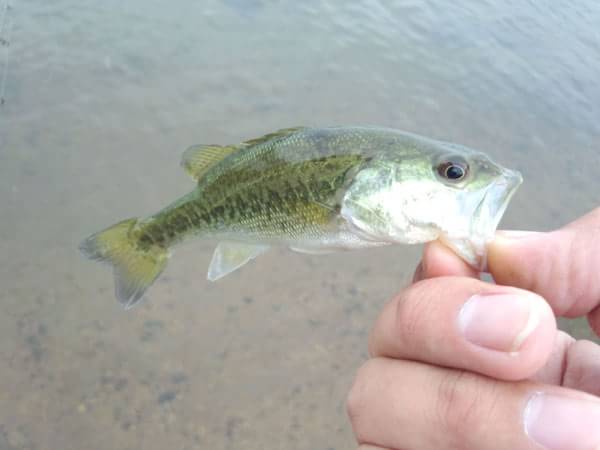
(409, 323)
(465, 402)
(415, 308)
(578, 373)
(583, 286)
(564, 271)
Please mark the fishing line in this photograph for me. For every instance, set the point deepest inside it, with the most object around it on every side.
(5, 31)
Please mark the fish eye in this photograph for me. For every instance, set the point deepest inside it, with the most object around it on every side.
(453, 169)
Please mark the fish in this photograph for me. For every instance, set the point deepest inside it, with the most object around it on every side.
(314, 190)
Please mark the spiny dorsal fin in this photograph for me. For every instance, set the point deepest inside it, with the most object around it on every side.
(274, 135)
(197, 159)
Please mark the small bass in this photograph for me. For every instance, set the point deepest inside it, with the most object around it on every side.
(314, 190)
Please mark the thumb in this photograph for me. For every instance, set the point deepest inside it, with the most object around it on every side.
(562, 266)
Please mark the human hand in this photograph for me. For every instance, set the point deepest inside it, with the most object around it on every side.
(458, 363)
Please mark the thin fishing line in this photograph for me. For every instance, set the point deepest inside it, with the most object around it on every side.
(4, 15)
(5, 32)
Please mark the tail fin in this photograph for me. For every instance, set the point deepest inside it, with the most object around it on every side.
(135, 267)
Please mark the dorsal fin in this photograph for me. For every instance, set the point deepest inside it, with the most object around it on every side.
(197, 159)
(274, 135)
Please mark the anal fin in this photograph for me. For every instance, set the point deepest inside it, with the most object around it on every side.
(230, 256)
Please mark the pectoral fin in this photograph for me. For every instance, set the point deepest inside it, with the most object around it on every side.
(230, 256)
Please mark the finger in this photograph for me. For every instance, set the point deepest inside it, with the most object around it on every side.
(438, 261)
(582, 367)
(573, 364)
(403, 404)
(418, 275)
(554, 369)
(594, 320)
(468, 324)
(561, 265)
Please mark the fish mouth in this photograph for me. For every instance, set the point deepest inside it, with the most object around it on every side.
(491, 208)
(485, 217)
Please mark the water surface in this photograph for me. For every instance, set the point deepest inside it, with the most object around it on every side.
(100, 100)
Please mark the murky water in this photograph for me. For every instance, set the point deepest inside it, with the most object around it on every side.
(100, 100)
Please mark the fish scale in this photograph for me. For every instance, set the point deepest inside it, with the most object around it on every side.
(276, 202)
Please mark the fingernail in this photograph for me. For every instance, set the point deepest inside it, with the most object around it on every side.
(563, 423)
(499, 322)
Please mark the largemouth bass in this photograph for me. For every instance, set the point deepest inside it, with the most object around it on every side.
(315, 190)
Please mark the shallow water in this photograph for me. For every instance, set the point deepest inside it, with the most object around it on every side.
(100, 100)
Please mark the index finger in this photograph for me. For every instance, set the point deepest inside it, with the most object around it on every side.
(439, 261)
